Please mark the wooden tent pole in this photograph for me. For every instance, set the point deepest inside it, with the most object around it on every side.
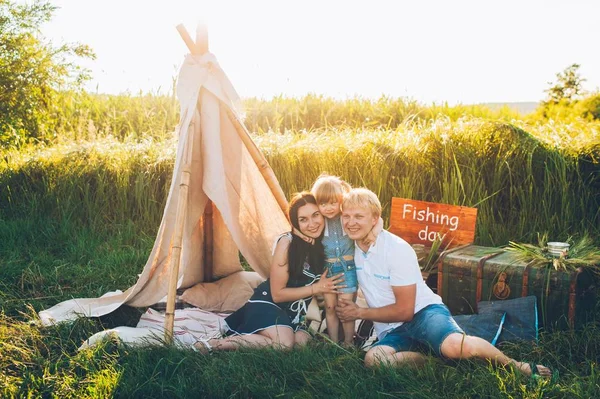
(176, 253)
(198, 48)
(208, 242)
(202, 48)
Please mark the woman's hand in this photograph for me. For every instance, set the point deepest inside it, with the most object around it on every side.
(328, 285)
(298, 233)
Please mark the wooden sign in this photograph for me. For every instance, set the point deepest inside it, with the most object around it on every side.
(421, 222)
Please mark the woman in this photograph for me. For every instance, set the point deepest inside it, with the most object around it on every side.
(273, 315)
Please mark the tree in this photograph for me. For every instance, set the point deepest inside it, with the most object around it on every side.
(32, 71)
(568, 86)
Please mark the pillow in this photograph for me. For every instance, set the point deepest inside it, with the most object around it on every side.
(225, 295)
(484, 325)
(521, 321)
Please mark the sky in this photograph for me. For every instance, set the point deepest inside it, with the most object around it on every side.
(432, 51)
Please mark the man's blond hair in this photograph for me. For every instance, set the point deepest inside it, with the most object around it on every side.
(364, 198)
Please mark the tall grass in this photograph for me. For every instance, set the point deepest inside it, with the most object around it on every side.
(87, 116)
(522, 184)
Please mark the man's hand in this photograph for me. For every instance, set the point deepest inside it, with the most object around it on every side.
(347, 310)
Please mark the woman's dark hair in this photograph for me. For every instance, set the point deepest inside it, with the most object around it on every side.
(300, 251)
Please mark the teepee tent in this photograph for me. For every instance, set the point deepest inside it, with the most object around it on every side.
(224, 198)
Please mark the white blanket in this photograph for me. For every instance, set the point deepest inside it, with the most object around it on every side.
(191, 325)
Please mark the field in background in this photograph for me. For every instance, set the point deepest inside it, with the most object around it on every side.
(524, 176)
(85, 116)
(78, 217)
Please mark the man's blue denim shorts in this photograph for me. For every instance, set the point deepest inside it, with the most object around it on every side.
(429, 327)
(349, 269)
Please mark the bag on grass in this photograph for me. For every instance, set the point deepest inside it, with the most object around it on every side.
(521, 322)
(487, 326)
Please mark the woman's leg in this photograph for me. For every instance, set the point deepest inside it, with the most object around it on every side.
(279, 337)
(333, 323)
(301, 338)
(349, 326)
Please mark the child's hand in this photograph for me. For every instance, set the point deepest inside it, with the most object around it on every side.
(372, 236)
(369, 239)
(297, 232)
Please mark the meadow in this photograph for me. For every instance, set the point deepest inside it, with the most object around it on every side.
(79, 211)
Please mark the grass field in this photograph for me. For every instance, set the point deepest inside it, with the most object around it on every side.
(78, 218)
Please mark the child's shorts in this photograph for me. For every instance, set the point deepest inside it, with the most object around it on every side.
(349, 269)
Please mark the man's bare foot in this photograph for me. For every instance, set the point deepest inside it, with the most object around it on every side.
(526, 368)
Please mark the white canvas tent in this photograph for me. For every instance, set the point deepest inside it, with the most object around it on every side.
(232, 201)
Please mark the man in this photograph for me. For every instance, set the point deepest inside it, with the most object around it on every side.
(406, 314)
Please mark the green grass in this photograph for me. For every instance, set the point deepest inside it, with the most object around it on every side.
(78, 218)
(46, 363)
(44, 263)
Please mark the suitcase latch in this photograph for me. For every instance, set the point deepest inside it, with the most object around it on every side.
(501, 290)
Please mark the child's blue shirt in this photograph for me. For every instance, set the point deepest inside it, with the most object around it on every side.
(335, 240)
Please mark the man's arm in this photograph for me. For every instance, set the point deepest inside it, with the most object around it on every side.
(402, 310)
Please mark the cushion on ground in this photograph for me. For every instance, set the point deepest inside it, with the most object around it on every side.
(225, 295)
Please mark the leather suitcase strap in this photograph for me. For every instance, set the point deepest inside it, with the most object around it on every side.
(525, 287)
(573, 296)
(440, 263)
(479, 288)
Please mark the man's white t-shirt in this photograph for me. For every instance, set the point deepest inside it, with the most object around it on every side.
(390, 261)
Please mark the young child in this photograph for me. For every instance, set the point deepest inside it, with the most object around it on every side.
(339, 251)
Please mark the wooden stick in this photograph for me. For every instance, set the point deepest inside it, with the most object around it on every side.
(181, 209)
(201, 39)
(187, 39)
(176, 253)
(208, 242)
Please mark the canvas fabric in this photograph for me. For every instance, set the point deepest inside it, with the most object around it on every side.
(190, 326)
(246, 217)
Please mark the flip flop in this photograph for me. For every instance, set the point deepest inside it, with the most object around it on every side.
(535, 373)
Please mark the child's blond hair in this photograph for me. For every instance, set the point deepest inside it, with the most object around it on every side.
(363, 198)
(329, 188)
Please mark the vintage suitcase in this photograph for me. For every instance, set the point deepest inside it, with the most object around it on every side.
(469, 274)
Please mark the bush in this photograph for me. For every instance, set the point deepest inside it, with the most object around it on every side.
(589, 107)
(32, 71)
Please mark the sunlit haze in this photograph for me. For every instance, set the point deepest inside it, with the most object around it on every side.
(430, 51)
